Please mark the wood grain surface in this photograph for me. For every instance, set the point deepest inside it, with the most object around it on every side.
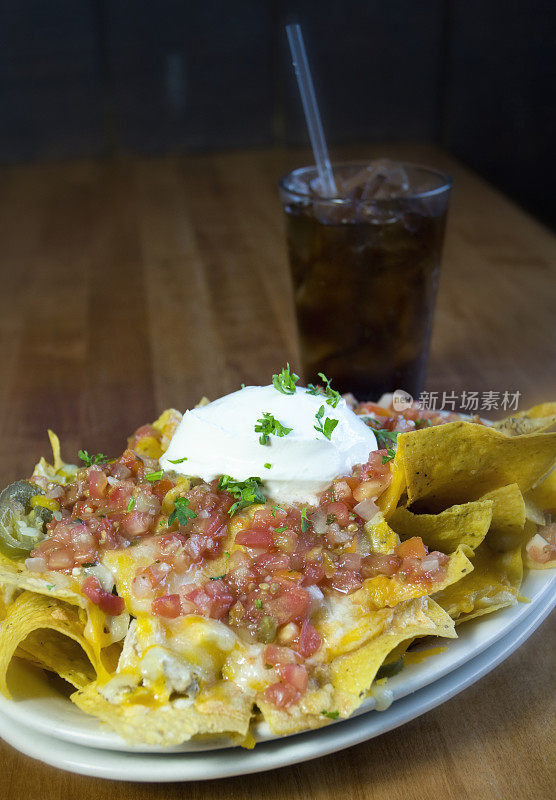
(134, 285)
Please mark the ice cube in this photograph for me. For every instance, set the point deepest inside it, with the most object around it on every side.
(380, 180)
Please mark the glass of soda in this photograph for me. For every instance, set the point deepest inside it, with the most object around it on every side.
(365, 267)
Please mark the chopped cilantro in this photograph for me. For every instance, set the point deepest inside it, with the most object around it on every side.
(258, 603)
(89, 564)
(285, 381)
(130, 504)
(304, 521)
(423, 423)
(152, 477)
(181, 512)
(280, 530)
(245, 492)
(217, 577)
(332, 396)
(50, 586)
(268, 466)
(226, 554)
(390, 455)
(269, 426)
(331, 714)
(275, 509)
(329, 424)
(178, 460)
(91, 460)
(385, 439)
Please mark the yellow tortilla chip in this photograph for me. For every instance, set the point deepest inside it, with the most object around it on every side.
(380, 535)
(493, 584)
(58, 653)
(382, 591)
(543, 494)
(460, 461)
(310, 713)
(389, 499)
(32, 612)
(534, 420)
(223, 709)
(462, 524)
(508, 517)
(353, 674)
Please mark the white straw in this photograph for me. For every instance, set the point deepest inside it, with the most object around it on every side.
(311, 109)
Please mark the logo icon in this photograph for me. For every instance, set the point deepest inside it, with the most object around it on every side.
(401, 400)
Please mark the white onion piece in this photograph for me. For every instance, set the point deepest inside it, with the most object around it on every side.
(366, 509)
(430, 563)
(103, 575)
(113, 481)
(142, 586)
(118, 626)
(204, 514)
(55, 492)
(318, 520)
(36, 564)
(316, 597)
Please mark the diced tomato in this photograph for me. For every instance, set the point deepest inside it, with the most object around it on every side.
(97, 483)
(309, 640)
(379, 564)
(109, 603)
(168, 606)
(346, 581)
(412, 548)
(374, 408)
(162, 487)
(340, 512)
(221, 598)
(119, 496)
(255, 538)
(136, 523)
(281, 694)
(268, 563)
(296, 675)
(313, 573)
(291, 604)
(276, 655)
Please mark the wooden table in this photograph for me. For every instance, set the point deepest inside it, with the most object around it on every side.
(134, 285)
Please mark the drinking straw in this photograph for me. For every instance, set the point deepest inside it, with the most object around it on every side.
(311, 109)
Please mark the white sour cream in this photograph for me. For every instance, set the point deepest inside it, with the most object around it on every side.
(220, 439)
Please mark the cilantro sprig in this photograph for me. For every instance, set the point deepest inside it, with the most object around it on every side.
(331, 714)
(332, 396)
(325, 425)
(285, 381)
(390, 455)
(246, 492)
(152, 477)
(90, 461)
(177, 460)
(268, 426)
(182, 513)
(305, 524)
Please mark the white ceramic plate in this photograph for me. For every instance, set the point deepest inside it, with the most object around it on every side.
(151, 767)
(37, 705)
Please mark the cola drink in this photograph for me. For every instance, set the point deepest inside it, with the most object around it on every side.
(365, 267)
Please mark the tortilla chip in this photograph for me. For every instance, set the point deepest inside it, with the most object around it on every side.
(462, 524)
(380, 535)
(460, 461)
(534, 420)
(310, 713)
(508, 517)
(223, 709)
(389, 499)
(493, 584)
(382, 590)
(353, 674)
(543, 494)
(52, 584)
(57, 653)
(32, 612)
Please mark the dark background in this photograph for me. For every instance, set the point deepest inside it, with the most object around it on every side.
(82, 78)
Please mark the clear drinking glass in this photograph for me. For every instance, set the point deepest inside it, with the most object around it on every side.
(365, 268)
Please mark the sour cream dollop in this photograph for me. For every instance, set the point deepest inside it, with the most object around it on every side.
(220, 439)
